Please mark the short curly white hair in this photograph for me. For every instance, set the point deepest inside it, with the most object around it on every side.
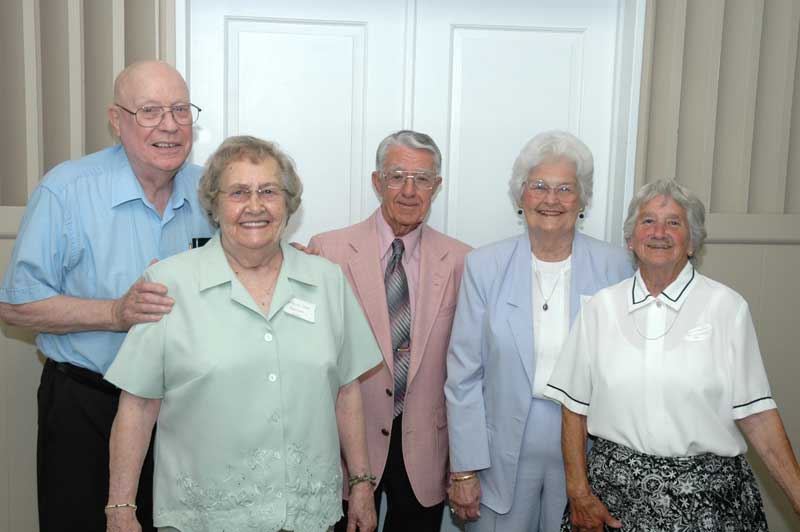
(695, 210)
(551, 146)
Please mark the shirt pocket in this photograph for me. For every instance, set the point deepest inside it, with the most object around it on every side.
(699, 333)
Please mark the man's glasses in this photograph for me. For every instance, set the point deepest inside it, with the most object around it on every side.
(397, 179)
(184, 114)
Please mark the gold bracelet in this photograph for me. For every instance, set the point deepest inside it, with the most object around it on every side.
(357, 479)
(121, 505)
(461, 478)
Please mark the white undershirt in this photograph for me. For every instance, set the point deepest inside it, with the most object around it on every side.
(551, 326)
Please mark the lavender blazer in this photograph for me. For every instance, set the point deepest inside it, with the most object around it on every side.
(490, 361)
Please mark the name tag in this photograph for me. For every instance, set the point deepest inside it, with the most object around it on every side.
(300, 309)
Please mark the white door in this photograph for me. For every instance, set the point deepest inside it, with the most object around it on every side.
(489, 75)
(328, 80)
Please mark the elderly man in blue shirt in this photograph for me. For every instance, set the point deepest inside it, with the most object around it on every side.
(90, 229)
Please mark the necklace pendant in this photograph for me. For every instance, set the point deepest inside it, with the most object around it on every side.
(545, 307)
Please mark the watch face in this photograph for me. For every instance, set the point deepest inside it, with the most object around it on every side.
(198, 242)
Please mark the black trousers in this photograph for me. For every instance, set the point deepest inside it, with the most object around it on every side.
(404, 513)
(76, 410)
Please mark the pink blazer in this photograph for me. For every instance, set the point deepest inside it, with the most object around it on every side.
(425, 443)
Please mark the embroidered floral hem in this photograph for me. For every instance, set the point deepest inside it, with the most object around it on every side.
(252, 498)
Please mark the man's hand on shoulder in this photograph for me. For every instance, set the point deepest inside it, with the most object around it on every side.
(144, 302)
(61, 314)
(305, 249)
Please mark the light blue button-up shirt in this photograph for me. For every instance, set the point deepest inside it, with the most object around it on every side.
(89, 232)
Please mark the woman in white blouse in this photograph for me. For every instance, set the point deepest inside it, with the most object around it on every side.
(664, 370)
(516, 301)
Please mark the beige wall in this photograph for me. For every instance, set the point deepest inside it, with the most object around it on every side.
(721, 113)
(59, 59)
(719, 84)
(12, 89)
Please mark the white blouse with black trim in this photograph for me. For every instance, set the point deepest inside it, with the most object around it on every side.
(666, 375)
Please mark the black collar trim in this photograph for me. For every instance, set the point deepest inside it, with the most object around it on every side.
(647, 294)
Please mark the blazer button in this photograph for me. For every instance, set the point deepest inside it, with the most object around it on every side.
(388, 392)
(384, 432)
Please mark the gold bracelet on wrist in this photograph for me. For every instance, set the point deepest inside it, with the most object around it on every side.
(358, 479)
(121, 505)
(461, 478)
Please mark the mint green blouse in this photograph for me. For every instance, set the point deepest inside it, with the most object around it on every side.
(247, 436)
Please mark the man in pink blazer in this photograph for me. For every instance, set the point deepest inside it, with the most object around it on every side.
(408, 446)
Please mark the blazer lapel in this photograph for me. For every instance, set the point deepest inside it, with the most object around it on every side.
(434, 273)
(365, 270)
(520, 313)
(582, 278)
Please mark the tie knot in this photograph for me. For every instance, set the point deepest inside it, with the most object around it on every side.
(397, 247)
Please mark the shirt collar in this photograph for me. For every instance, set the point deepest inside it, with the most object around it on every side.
(386, 237)
(184, 188)
(216, 270)
(673, 295)
(126, 187)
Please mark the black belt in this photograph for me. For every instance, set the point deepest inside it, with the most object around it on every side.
(83, 376)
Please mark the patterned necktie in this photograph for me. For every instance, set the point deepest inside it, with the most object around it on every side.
(400, 320)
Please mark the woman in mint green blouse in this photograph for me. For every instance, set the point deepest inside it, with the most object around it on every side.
(252, 376)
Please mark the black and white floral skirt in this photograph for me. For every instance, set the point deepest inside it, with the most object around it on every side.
(662, 494)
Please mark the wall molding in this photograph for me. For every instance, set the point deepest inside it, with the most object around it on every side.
(753, 228)
(10, 218)
(33, 93)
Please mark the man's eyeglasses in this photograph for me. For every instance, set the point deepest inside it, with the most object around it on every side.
(540, 189)
(397, 179)
(264, 194)
(184, 114)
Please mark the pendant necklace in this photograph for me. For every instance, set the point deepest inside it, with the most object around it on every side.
(539, 286)
(657, 337)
